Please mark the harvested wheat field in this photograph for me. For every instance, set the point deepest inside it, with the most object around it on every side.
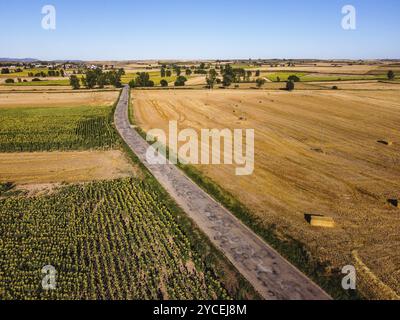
(331, 68)
(360, 85)
(317, 152)
(70, 167)
(53, 99)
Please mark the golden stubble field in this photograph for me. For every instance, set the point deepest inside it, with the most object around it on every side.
(68, 167)
(316, 152)
(58, 99)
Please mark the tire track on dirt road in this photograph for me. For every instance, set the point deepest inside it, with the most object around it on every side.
(269, 273)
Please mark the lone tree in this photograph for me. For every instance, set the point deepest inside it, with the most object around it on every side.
(391, 75)
(164, 83)
(260, 82)
(168, 73)
(162, 73)
(180, 81)
(290, 85)
(258, 73)
(74, 82)
(188, 72)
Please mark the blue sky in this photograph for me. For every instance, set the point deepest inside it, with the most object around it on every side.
(199, 29)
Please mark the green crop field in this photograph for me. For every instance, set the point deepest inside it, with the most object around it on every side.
(106, 240)
(283, 75)
(47, 129)
(24, 73)
(314, 77)
(307, 77)
(63, 82)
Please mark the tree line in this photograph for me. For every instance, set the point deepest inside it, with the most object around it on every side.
(143, 80)
(97, 77)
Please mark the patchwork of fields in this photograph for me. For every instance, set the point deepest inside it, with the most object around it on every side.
(117, 238)
(73, 197)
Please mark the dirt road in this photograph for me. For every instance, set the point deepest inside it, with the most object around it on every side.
(269, 273)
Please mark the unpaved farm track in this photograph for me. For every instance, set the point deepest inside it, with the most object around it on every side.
(269, 273)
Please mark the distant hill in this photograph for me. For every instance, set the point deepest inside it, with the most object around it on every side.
(18, 60)
(30, 60)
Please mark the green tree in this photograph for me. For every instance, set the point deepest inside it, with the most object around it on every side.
(290, 85)
(132, 83)
(74, 82)
(249, 75)
(260, 82)
(228, 75)
(227, 80)
(168, 73)
(391, 75)
(239, 73)
(142, 80)
(164, 83)
(178, 71)
(102, 80)
(114, 78)
(162, 73)
(211, 78)
(90, 79)
(258, 72)
(180, 81)
(188, 72)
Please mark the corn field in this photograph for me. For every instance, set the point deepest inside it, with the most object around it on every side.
(49, 129)
(106, 240)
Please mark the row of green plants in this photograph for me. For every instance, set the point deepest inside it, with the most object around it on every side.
(106, 240)
(48, 129)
